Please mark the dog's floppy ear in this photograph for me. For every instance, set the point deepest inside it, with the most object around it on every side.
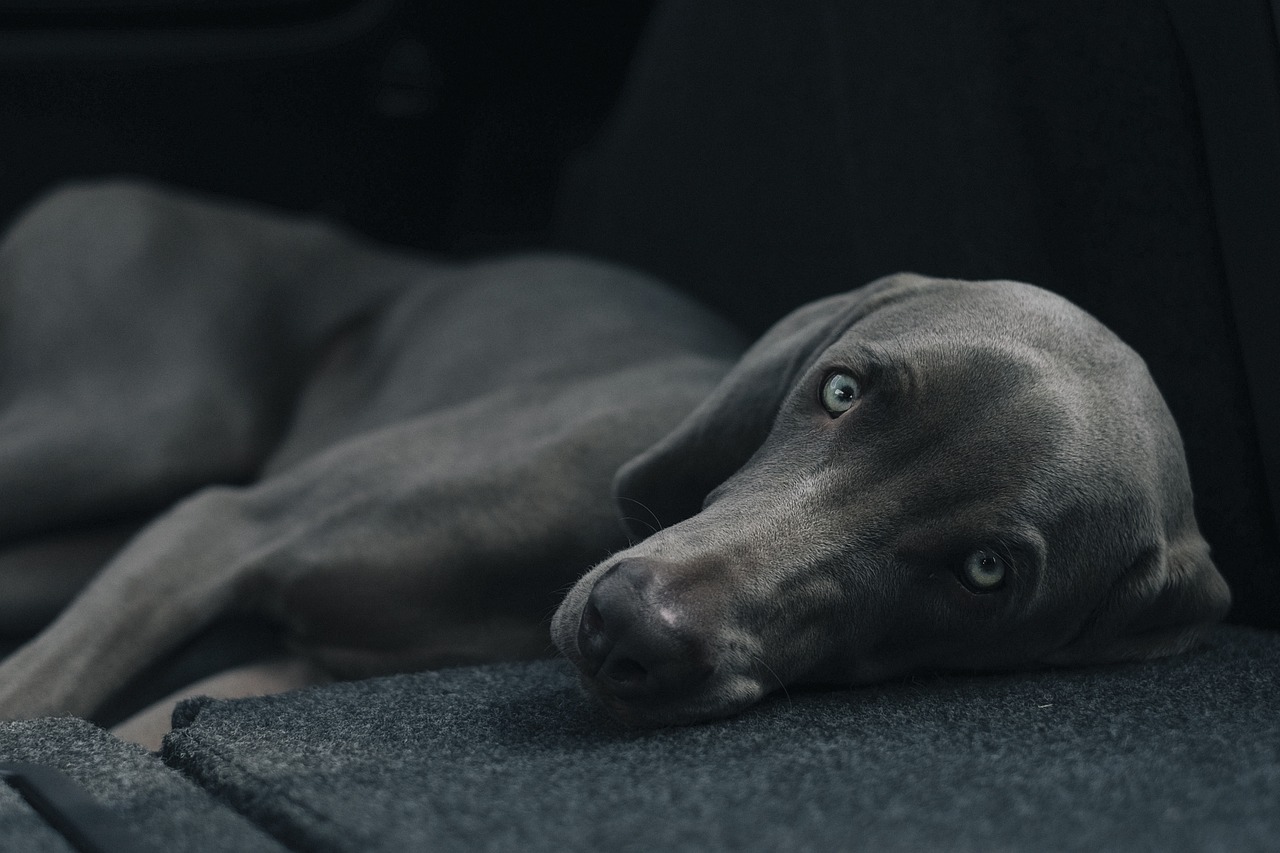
(668, 482)
(1162, 605)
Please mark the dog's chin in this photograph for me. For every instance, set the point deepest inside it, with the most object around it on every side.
(682, 711)
(723, 695)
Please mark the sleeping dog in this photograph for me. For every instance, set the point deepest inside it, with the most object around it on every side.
(405, 463)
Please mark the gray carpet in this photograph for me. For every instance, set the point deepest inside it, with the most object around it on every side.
(1181, 754)
(158, 804)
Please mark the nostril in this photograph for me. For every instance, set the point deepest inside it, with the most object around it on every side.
(592, 621)
(607, 617)
(625, 673)
(594, 644)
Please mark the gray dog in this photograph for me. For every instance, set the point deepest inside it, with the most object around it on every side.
(406, 463)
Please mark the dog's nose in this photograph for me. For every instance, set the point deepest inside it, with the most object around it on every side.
(632, 639)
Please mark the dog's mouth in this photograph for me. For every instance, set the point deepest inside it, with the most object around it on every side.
(677, 712)
(629, 696)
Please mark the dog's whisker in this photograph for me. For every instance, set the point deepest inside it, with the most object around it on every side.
(652, 529)
(781, 685)
(656, 526)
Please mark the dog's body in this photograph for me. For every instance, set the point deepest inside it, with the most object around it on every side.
(407, 463)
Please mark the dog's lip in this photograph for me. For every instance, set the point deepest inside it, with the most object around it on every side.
(672, 713)
(713, 702)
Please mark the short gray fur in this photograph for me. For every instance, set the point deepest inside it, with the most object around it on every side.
(405, 463)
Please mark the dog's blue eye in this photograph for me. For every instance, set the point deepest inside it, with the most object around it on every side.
(839, 393)
(983, 571)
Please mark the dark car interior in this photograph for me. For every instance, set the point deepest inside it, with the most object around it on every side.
(1125, 155)
(467, 110)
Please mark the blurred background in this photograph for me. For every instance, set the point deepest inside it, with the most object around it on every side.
(433, 124)
(1125, 153)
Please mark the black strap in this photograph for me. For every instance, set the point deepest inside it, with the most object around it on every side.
(1233, 54)
(68, 808)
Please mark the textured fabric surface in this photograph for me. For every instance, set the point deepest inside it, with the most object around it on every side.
(160, 805)
(22, 829)
(1180, 754)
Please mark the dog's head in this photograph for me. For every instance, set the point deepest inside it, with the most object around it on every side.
(921, 474)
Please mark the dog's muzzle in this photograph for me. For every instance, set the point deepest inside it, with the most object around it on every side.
(649, 656)
(633, 643)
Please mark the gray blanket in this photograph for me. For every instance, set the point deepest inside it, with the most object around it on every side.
(160, 806)
(1179, 754)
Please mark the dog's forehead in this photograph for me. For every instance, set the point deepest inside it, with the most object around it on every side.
(1019, 365)
(964, 312)
(967, 335)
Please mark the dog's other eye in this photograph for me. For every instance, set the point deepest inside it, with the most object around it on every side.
(983, 571)
(839, 393)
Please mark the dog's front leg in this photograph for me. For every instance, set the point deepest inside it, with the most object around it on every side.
(173, 579)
